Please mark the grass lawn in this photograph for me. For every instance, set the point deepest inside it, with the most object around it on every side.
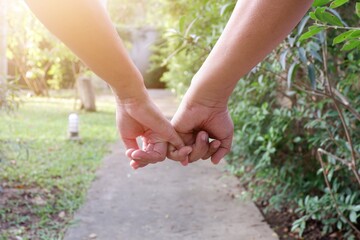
(43, 176)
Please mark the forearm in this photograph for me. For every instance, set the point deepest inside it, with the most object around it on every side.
(254, 29)
(85, 27)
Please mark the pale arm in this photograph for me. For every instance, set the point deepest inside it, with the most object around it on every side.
(85, 27)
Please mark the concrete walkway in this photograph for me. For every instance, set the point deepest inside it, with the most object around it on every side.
(166, 201)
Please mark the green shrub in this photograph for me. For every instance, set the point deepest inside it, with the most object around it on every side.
(296, 115)
(193, 30)
(287, 148)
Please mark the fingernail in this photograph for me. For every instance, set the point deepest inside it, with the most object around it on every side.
(217, 144)
(185, 163)
(205, 138)
(216, 162)
(134, 165)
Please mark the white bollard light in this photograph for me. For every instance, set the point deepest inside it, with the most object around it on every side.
(73, 127)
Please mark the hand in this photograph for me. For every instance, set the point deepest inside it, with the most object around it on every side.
(140, 117)
(195, 122)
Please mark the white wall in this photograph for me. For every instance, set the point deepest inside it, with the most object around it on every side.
(142, 41)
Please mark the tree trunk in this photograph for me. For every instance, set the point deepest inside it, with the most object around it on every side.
(86, 93)
(3, 45)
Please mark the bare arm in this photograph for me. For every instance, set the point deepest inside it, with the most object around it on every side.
(255, 28)
(85, 27)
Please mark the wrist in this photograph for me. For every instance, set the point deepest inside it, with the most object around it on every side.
(133, 91)
(202, 94)
(195, 100)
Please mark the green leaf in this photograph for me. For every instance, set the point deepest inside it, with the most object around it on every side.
(291, 41)
(338, 3)
(357, 9)
(291, 73)
(342, 37)
(318, 3)
(313, 16)
(312, 75)
(320, 171)
(312, 31)
(339, 225)
(283, 59)
(355, 34)
(353, 216)
(225, 8)
(332, 19)
(356, 208)
(182, 24)
(302, 228)
(260, 139)
(187, 31)
(330, 174)
(302, 54)
(318, 12)
(302, 24)
(327, 17)
(347, 199)
(350, 45)
(316, 55)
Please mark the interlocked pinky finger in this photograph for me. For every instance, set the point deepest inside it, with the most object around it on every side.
(135, 165)
(200, 147)
(214, 146)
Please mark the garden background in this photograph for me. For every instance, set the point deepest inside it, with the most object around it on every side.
(297, 131)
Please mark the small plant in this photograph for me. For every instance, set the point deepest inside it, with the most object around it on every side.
(9, 100)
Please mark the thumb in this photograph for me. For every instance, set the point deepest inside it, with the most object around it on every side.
(131, 145)
(175, 140)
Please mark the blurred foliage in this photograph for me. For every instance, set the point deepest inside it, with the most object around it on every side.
(129, 13)
(35, 56)
(296, 114)
(41, 62)
(191, 30)
(134, 20)
(9, 100)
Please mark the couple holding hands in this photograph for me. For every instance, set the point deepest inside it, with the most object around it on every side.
(255, 28)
